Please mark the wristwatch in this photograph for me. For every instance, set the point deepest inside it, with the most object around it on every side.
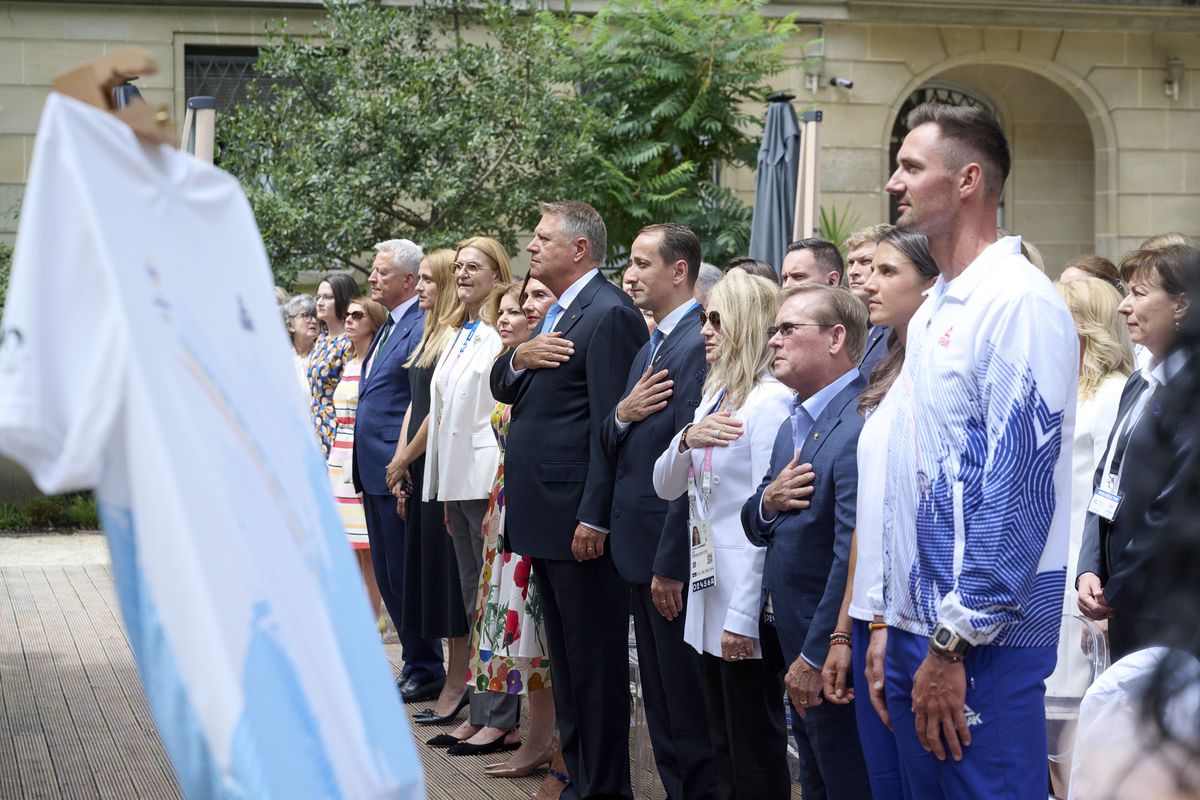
(683, 445)
(948, 645)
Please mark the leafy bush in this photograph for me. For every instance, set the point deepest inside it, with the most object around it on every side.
(58, 512)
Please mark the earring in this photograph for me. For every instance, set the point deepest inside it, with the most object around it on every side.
(1178, 325)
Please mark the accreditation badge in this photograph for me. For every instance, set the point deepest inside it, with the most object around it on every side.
(704, 557)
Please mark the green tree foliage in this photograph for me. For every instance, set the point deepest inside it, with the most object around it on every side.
(401, 122)
(6, 252)
(681, 85)
(443, 120)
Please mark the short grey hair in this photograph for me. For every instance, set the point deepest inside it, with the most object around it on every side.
(709, 275)
(838, 306)
(577, 219)
(298, 305)
(406, 255)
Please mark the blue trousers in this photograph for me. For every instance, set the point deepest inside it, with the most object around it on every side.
(1006, 714)
(385, 532)
(878, 743)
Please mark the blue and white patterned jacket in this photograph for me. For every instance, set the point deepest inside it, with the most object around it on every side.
(977, 501)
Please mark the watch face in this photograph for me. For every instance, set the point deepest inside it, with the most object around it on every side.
(941, 637)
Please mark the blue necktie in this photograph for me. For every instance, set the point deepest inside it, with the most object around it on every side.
(552, 317)
(655, 339)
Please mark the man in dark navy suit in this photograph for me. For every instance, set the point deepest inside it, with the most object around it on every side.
(649, 537)
(820, 333)
(383, 397)
(562, 384)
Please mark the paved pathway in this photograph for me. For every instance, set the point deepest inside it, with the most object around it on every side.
(73, 723)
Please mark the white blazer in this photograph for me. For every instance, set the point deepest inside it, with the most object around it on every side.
(735, 602)
(462, 456)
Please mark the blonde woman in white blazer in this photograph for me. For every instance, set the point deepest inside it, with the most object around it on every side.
(733, 432)
(461, 460)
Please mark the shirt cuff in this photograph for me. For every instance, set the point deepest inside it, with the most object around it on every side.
(621, 426)
(516, 373)
(809, 661)
(761, 517)
(594, 527)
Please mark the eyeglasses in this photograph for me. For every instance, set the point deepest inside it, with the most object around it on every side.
(711, 318)
(356, 315)
(304, 315)
(471, 267)
(786, 329)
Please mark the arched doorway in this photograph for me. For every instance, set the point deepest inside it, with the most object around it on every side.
(1051, 193)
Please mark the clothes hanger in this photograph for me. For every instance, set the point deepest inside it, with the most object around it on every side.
(93, 82)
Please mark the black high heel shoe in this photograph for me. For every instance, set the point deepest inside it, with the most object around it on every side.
(427, 717)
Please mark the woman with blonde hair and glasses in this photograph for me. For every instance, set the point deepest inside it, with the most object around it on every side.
(432, 603)
(461, 463)
(718, 460)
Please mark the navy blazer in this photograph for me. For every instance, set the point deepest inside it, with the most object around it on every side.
(556, 472)
(877, 348)
(1160, 455)
(648, 535)
(383, 397)
(808, 551)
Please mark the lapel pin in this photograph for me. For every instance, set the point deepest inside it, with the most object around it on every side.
(816, 436)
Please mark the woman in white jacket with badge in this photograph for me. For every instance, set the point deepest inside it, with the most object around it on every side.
(718, 461)
(461, 460)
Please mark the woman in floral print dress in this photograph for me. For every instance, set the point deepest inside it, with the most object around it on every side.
(508, 641)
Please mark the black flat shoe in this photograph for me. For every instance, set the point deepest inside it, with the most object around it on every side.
(444, 740)
(494, 746)
(427, 717)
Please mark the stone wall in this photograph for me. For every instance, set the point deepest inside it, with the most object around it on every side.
(1103, 157)
(1060, 93)
(38, 40)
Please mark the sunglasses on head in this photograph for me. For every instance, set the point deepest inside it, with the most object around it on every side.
(711, 318)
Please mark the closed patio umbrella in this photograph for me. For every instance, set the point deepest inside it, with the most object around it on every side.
(775, 183)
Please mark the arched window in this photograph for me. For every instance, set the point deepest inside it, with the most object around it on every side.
(935, 92)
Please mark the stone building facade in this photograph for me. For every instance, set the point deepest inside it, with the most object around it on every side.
(1103, 157)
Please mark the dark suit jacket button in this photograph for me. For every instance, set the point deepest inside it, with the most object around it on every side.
(616, 512)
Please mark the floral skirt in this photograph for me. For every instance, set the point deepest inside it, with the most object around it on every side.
(508, 636)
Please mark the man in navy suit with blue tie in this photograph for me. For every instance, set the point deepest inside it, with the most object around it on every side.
(819, 336)
(558, 482)
(649, 536)
(383, 397)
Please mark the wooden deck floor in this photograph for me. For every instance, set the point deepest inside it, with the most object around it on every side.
(74, 724)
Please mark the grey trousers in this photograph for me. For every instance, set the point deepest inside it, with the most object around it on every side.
(494, 709)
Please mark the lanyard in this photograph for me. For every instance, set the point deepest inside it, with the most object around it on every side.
(454, 360)
(1129, 423)
(706, 469)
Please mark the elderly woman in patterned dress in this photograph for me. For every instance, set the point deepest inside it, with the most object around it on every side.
(363, 318)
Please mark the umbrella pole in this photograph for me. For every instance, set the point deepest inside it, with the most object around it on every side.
(808, 179)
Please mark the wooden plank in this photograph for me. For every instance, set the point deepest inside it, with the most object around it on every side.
(110, 774)
(155, 772)
(71, 771)
(131, 743)
(24, 737)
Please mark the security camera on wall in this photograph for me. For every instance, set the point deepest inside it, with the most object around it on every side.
(841, 83)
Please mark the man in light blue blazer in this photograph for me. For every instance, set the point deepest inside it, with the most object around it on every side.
(820, 334)
(383, 397)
